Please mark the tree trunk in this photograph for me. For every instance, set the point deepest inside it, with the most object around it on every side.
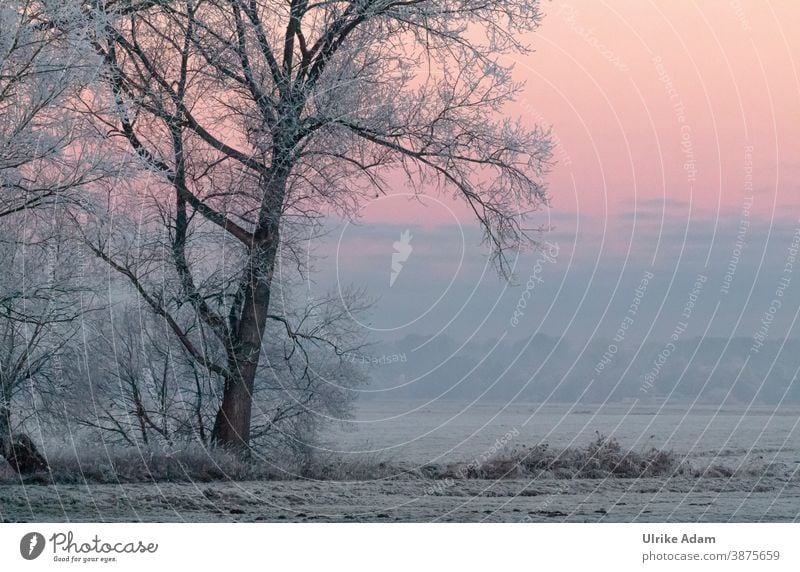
(232, 423)
(18, 450)
(25, 458)
(5, 431)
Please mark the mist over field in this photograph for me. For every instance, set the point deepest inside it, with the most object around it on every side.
(708, 371)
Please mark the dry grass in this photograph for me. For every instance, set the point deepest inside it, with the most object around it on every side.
(188, 463)
(335, 467)
(602, 458)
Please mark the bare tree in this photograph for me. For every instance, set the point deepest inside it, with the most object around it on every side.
(132, 386)
(260, 116)
(44, 160)
(44, 154)
(41, 301)
(133, 381)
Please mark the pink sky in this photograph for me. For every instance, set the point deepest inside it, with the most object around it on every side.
(668, 115)
(625, 83)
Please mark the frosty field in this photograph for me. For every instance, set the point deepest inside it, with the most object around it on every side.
(761, 444)
(431, 432)
(714, 500)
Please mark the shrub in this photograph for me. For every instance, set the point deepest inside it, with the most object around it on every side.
(602, 458)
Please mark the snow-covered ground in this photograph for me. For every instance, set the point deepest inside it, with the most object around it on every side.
(680, 500)
(420, 434)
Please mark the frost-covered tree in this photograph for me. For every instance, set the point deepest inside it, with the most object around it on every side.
(254, 118)
(42, 299)
(133, 381)
(45, 60)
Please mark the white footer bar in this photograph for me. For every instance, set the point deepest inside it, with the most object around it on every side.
(402, 547)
